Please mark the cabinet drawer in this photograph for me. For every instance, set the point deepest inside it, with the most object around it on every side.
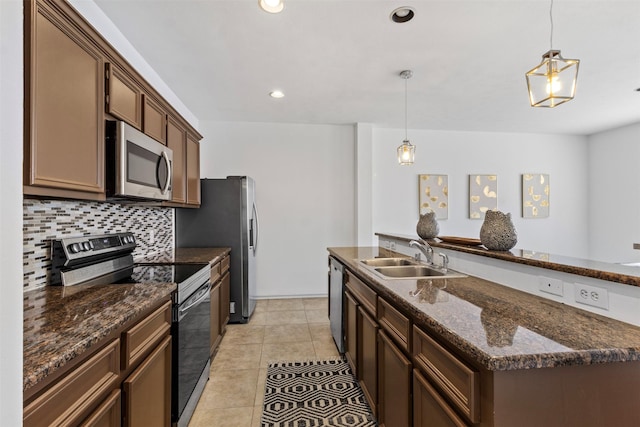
(224, 264)
(455, 380)
(215, 273)
(72, 399)
(395, 324)
(363, 293)
(138, 341)
(429, 409)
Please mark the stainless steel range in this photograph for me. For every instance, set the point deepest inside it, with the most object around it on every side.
(108, 259)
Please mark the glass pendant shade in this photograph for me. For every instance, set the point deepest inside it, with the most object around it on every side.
(553, 82)
(406, 153)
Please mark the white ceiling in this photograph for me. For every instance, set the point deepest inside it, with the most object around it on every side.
(338, 60)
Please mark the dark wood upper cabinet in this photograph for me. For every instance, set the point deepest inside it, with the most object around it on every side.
(154, 120)
(177, 141)
(193, 170)
(74, 81)
(124, 96)
(64, 117)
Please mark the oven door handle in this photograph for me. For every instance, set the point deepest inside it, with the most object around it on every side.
(203, 295)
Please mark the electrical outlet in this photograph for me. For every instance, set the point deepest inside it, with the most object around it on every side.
(592, 295)
(550, 286)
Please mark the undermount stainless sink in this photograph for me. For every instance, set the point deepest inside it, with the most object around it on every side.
(407, 268)
(386, 262)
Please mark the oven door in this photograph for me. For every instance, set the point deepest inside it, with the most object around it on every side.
(191, 334)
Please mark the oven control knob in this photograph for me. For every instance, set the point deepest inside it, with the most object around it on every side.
(74, 248)
(86, 246)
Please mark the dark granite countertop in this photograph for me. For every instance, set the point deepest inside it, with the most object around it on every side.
(500, 328)
(187, 256)
(61, 323)
(619, 273)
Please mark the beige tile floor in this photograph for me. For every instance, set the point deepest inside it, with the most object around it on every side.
(279, 330)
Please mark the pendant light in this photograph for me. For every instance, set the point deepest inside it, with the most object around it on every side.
(406, 151)
(553, 81)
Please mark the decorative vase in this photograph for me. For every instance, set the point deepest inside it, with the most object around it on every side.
(497, 232)
(427, 227)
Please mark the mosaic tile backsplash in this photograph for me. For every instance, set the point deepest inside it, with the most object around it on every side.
(45, 220)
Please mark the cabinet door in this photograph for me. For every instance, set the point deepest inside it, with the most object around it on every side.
(75, 396)
(216, 327)
(193, 170)
(394, 384)
(368, 357)
(64, 99)
(154, 120)
(124, 97)
(225, 287)
(351, 332)
(147, 391)
(107, 414)
(429, 408)
(177, 140)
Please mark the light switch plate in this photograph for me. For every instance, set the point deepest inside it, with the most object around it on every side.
(551, 286)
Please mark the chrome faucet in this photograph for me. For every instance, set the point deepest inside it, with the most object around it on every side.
(425, 248)
(445, 261)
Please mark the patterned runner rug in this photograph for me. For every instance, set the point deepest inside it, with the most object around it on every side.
(314, 394)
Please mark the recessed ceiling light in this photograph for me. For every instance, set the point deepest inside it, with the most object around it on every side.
(276, 94)
(271, 6)
(402, 14)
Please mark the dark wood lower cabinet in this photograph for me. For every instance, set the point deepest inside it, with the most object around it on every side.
(429, 408)
(368, 357)
(125, 382)
(394, 384)
(225, 289)
(351, 331)
(107, 414)
(216, 325)
(147, 391)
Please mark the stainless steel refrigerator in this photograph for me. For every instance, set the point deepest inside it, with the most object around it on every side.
(227, 217)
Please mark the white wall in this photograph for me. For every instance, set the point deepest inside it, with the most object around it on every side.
(614, 194)
(11, 105)
(305, 184)
(458, 154)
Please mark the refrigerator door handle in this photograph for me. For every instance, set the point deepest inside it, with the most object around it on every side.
(255, 228)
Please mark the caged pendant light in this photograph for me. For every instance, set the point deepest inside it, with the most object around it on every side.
(406, 151)
(553, 81)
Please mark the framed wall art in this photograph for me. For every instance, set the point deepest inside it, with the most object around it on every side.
(535, 195)
(483, 195)
(434, 195)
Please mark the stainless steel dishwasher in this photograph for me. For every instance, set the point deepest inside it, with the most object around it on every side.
(336, 297)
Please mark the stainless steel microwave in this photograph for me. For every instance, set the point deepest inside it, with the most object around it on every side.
(138, 166)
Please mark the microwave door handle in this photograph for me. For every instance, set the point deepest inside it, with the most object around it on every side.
(165, 157)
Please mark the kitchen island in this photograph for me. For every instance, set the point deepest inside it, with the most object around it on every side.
(485, 354)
